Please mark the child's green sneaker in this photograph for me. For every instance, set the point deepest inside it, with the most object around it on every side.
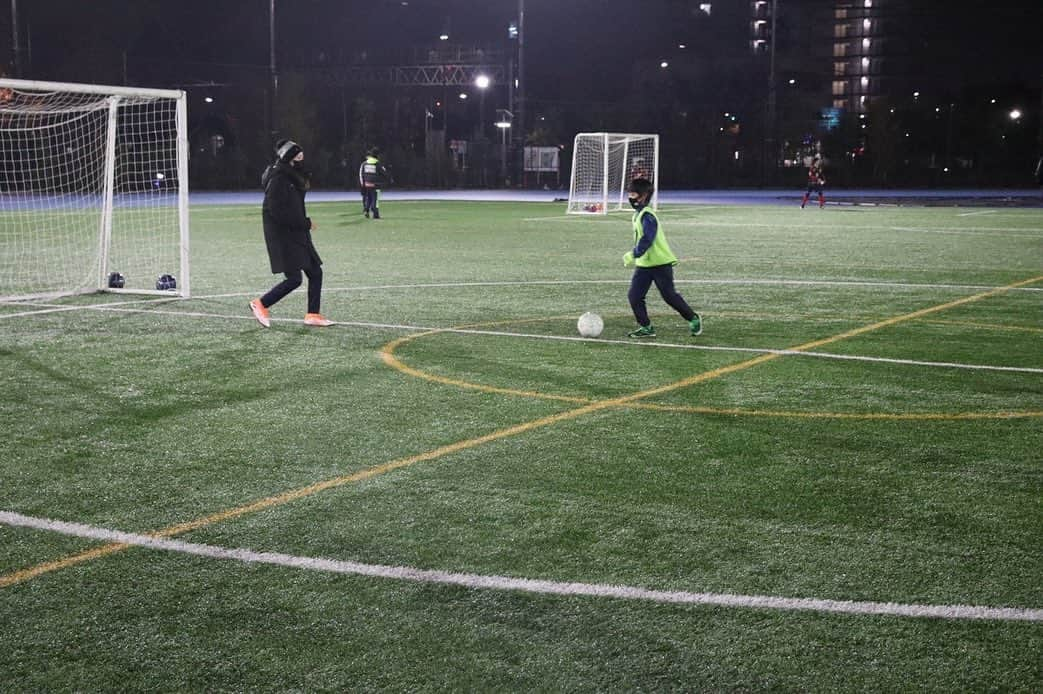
(643, 331)
(696, 325)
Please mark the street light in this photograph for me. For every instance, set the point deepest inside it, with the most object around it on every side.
(1015, 114)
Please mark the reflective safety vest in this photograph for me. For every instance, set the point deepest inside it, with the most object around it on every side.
(659, 252)
(370, 173)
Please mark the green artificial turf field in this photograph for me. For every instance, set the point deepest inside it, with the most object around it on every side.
(449, 490)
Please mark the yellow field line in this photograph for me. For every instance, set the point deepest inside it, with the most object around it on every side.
(878, 416)
(986, 326)
(387, 354)
(286, 497)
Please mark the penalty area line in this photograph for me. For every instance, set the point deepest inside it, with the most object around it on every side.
(527, 585)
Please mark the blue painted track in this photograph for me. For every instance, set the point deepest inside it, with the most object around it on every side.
(976, 198)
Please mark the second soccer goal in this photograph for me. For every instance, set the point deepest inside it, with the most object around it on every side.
(603, 164)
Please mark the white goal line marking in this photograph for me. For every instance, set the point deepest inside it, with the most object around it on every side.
(57, 308)
(573, 338)
(527, 585)
(626, 280)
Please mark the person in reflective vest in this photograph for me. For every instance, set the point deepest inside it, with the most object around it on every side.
(372, 176)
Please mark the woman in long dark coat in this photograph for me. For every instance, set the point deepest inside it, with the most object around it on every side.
(287, 232)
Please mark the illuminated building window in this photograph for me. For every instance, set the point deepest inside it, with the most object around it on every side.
(838, 87)
(864, 82)
(866, 25)
(865, 64)
(839, 50)
(705, 7)
(866, 43)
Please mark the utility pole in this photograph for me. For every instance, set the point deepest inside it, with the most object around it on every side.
(769, 135)
(519, 131)
(15, 44)
(273, 77)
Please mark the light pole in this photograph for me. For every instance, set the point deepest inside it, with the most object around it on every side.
(519, 87)
(482, 82)
(769, 149)
(14, 39)
(272, 75)
(503, 122)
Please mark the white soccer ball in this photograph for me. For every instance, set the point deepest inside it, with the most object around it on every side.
(590, 324)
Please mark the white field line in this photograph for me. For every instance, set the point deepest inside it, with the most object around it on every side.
(573, 338)
(965, 232)
(979, 212)
(527, 585)
(615, 214)
(974, 231)
(44, 309)
(563, 218)
(731, 282)
(752, 350)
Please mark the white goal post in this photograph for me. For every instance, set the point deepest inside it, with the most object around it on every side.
(93, 190)
(603, 164)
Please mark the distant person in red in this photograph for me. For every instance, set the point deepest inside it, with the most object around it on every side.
(816, 182)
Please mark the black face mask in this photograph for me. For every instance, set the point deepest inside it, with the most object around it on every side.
(636, 203)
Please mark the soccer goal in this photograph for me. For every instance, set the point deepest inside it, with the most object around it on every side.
(93, 190)
(603, 164)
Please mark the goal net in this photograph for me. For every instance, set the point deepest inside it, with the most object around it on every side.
(603, 164)
(93, 190)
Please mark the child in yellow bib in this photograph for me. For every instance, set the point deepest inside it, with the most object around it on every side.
(654, 263)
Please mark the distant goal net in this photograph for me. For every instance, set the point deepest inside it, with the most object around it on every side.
(93, 190)
(603, 164)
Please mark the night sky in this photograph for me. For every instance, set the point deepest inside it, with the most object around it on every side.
(75, 40)
(575, 49)
(586, 63)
